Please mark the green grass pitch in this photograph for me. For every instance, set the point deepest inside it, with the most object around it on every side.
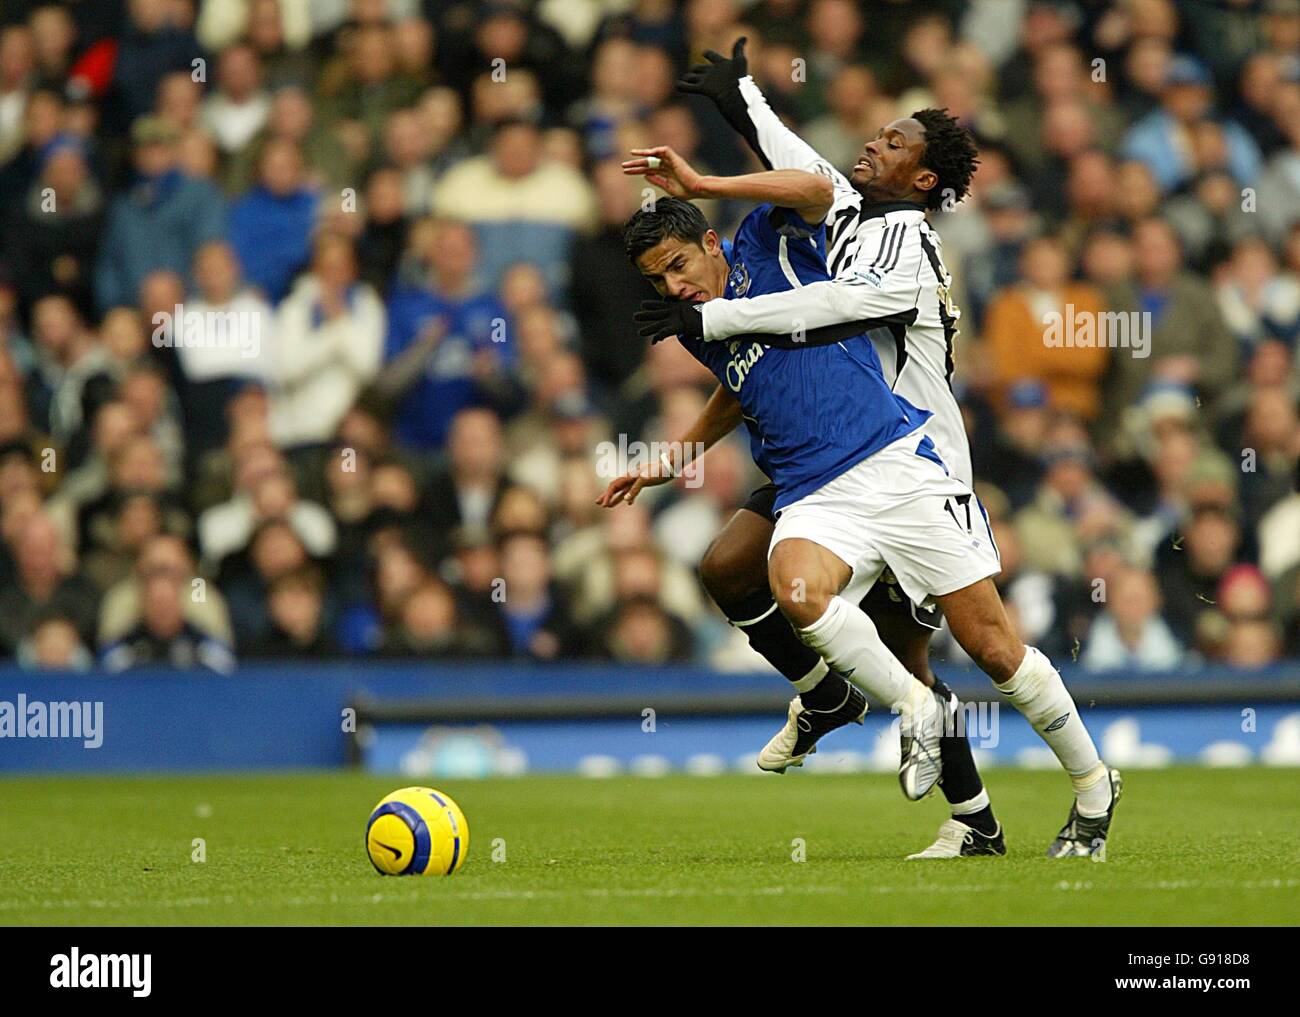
(1189, 846)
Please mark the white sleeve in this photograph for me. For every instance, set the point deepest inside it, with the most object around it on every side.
(783, 149)
(860, 293)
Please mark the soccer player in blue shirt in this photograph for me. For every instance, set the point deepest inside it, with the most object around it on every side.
(792, 402)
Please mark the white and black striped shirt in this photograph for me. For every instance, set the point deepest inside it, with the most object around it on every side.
(887, 274)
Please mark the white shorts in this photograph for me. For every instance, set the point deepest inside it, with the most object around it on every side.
(900, 508)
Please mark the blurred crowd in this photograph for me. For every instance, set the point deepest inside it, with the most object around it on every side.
(315, 318)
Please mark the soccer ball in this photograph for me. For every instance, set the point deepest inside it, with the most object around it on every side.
(417, 831)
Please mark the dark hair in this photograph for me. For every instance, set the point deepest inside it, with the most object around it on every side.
(667, 217)
(950, 151)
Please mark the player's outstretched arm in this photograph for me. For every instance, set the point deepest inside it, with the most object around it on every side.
(809, 194)
(721, 415)
(848, 299)
(745, 108)
(812, 315)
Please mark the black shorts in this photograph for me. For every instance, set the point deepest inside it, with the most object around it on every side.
(884, 598)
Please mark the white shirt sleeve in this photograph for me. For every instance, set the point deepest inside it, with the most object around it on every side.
(784, 149)
(861, 292)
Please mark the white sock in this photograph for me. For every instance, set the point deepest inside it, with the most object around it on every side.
(848, 641)
(813, 678)
(972, 805)
(1036, 690)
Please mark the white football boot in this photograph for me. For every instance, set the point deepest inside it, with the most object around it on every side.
(804, 727)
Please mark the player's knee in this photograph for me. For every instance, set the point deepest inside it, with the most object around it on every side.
(724, 575)
(801, 609)
(802, 598)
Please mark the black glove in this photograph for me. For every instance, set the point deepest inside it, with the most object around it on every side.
(659, 319)
(719, 77)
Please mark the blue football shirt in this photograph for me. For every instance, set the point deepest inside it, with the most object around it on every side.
(812, 413)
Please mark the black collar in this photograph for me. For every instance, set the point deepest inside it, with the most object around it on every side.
(871, 209)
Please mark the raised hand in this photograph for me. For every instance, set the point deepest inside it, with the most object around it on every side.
(665, 169)
(719, 76)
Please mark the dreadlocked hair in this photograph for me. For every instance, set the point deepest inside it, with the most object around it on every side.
(950, 152)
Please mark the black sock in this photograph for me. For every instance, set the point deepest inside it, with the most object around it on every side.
(961, 780)
(770, 634)
(829, 693)
(984, 821)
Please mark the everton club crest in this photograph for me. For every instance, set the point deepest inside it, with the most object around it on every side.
(739, 279)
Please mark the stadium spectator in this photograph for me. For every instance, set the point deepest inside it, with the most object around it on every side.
(1191, 567)
(160, 223)
(387, 229)
(522, 205)
(278, 30)
(43, 115)
(1279, 189)
(1279, 533)
(533, 611)
(1163, 140)
(1070, 509)
(274, 550)
(154, 43)
(1183, 337)
(180, 102)
(1271, 444)
(293, 118)
(1066, 315)
(430, 624)
(54, 38)
(265, 491)
(298, 630)
(69, 364)
(54, 645)
(52, 233)
(17, 76)
(1015, 444)
(144, 388)
(466, 491)
(237, 109)
(240, 352)
(611, 350)
(136, 518)
(329, 341)
(449, 343)
(47, 579)
(642, 632)
(271, 226)
(164, 636)
(1259, 302)
(137, 466)
(1131, 635)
